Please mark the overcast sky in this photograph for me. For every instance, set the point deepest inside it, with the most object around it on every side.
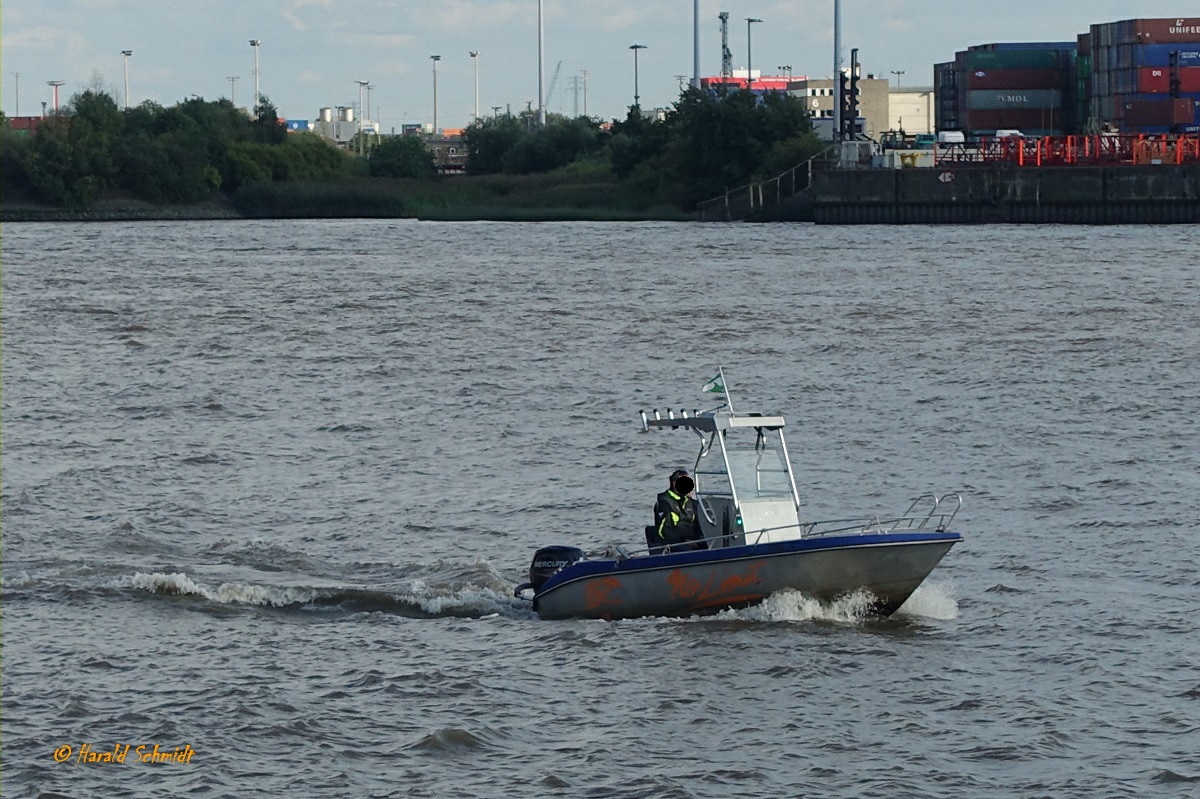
(313, 51)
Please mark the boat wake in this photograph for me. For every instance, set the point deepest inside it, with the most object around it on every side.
(418, 598)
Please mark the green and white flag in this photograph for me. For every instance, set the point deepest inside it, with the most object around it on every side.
(716, 385)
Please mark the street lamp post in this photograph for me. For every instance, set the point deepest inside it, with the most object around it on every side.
(256, 43)
(786, 68)
(475, 58)
(125, 54)
(636, 96)
(233, 79)
(749, 61)
(17, 95)
(435, 59)
(897, 73)
(541, 68)
(360, 144)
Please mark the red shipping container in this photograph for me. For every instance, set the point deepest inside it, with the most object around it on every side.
(1160, 112)
(1157, 80)
(1153, 80)
(1015, 79)
(1166, 31)
(1015, 119)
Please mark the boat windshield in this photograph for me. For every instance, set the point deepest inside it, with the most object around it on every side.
(757, 473)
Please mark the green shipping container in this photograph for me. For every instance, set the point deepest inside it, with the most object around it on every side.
(1014, 59)
(1083, 66)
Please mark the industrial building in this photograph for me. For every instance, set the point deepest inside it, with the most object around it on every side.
(874, 102)
(910, 109)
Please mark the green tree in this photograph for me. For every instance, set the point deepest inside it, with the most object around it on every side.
(716, 141)
(559, 142)
(488, 140)
(401, 157)
(15, 149)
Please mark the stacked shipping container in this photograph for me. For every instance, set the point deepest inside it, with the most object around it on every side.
(1013, 85)
(1135, 74)
(1146, 74)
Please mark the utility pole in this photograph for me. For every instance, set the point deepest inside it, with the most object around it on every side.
(17, 110)
(584, 71)
(695, 44)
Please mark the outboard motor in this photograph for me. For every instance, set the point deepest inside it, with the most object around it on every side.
(546, 561)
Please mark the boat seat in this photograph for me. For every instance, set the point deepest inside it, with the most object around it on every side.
(652, 543)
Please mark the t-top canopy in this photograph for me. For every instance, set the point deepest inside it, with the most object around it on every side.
(712, 421)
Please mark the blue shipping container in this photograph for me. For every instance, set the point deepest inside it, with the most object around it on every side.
(1155, 130)
(1159, 55)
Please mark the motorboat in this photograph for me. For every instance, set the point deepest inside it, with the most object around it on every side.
(755, 542)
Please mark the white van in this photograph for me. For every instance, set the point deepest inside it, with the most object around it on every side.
(951, 137)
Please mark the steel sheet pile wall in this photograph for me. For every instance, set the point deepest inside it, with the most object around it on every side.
(1146, 75)
(1026, 86)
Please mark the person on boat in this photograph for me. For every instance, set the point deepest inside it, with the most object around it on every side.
(676, 526)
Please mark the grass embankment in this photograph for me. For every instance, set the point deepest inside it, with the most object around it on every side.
(556, 196)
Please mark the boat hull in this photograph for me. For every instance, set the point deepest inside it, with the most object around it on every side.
(890, 566)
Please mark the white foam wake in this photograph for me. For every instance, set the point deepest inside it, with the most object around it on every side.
(179, 584)
(794, 606)
(932, 601)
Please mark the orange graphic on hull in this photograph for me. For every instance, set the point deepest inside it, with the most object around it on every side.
(599, 593)
(714, 591)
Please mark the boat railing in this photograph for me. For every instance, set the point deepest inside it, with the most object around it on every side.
(942, 511)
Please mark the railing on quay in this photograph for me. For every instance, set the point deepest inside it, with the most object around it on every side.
(1095, 149)
(737, 204)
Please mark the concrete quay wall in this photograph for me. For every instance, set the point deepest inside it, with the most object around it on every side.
(1166, 194)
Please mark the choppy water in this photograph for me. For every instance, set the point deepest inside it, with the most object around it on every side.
(267, 488)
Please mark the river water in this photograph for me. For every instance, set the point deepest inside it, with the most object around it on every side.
(268, 486)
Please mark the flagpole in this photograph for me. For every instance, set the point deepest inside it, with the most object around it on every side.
(725, 388)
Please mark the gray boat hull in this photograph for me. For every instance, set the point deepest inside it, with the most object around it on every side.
(889, 566)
